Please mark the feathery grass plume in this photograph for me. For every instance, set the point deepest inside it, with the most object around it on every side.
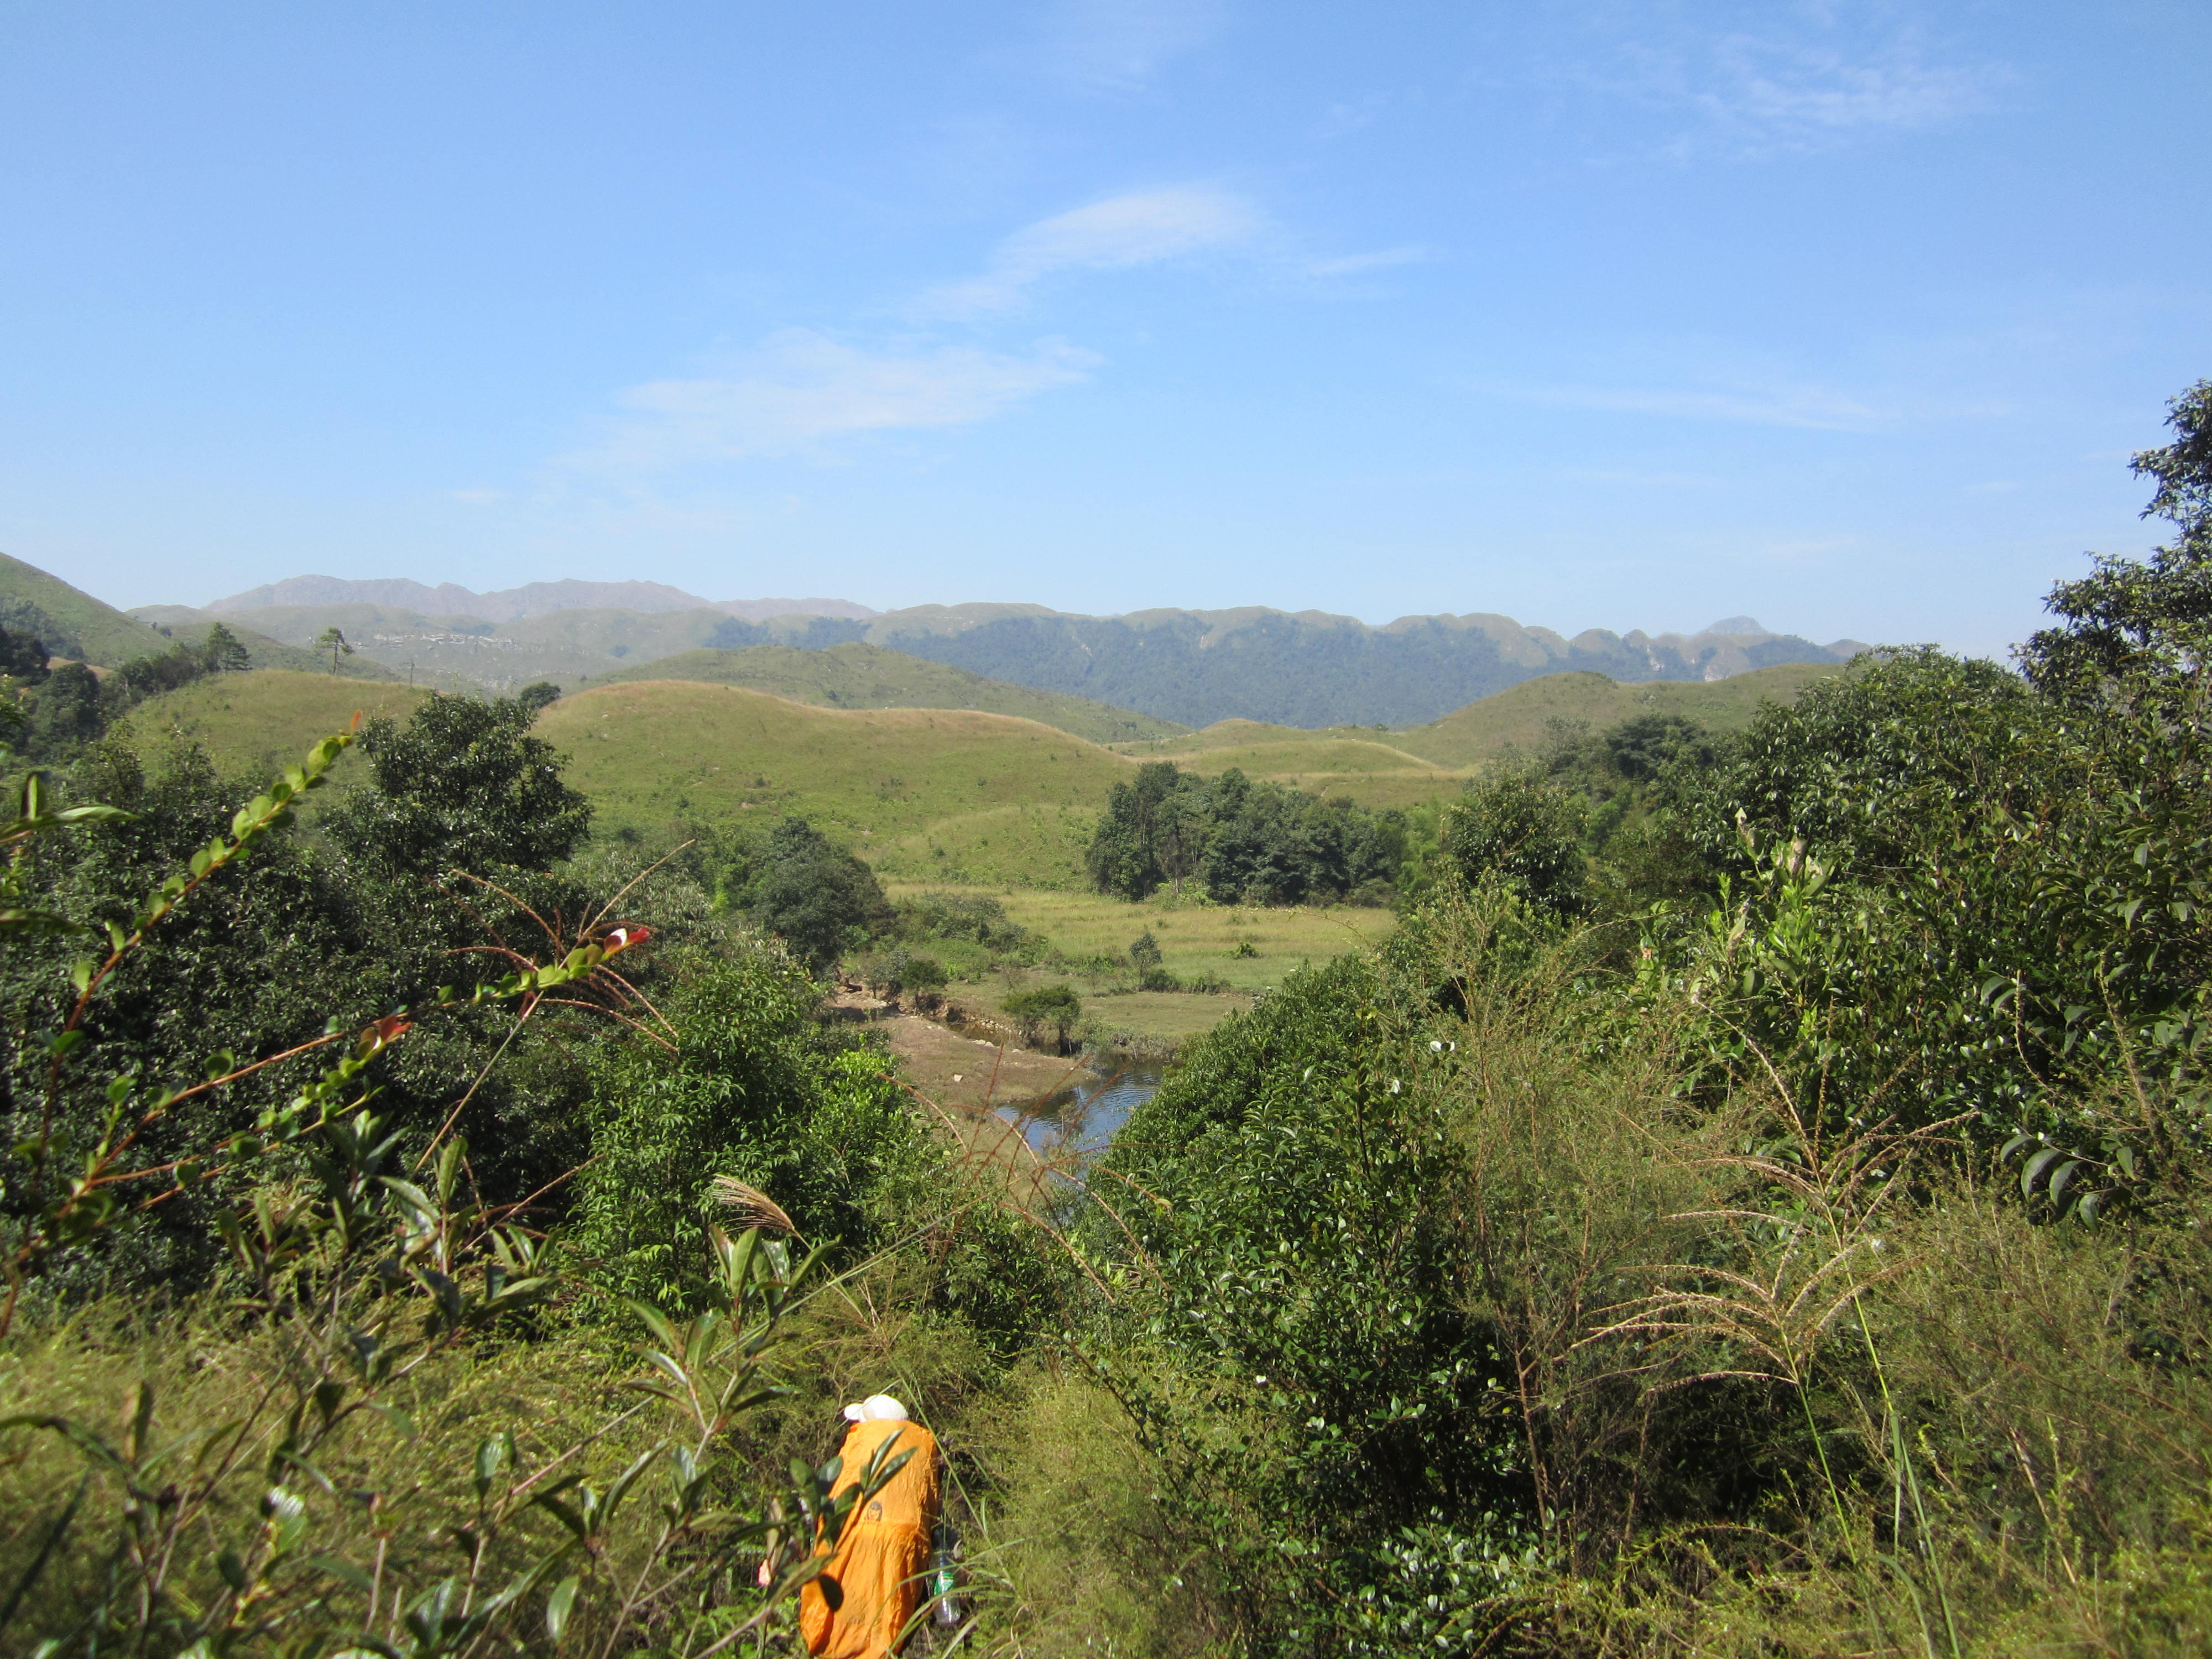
(751, 1206)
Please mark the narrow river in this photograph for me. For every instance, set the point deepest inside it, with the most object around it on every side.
(1082, 1119)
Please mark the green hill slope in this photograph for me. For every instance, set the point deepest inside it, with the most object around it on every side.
(71, 622)
(869, 677)
(925, 794)
(260, 722)
(191, 626)
(459, 652)
(1472, 734)
(655, 752)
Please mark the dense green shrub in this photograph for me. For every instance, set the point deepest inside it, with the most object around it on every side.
(740, 1081)
(1056, 1006)
(1523, 834)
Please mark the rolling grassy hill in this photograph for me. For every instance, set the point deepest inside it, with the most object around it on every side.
(189, 627)
(1350, 761)
(868, 677)
(651, 753)
(1468, 736)
(925, 794)
(72, 623)
(263, 720)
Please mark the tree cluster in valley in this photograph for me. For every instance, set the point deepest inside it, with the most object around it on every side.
(1241, 841)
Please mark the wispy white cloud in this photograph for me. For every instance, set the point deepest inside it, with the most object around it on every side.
(1354, 264)
(1117, 46)
(1139, 227)
(1792, 79)
(799, 388)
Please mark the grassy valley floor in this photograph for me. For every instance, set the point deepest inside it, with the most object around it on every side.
(1196, 939)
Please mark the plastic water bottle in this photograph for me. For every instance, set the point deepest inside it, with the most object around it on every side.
(944, 1577)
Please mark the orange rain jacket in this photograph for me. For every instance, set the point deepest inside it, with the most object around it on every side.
(883, 1551)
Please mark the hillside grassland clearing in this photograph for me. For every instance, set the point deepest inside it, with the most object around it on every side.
(948, 797)
(1513, 718)
(655, 752)
(855, 676)
(1196, 936)
(1023, 846)
(1153, 1022)
(262, 720)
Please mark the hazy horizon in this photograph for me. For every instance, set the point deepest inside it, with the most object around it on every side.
(1845, 316)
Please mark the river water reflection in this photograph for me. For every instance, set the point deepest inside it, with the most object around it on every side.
(1082, 1119)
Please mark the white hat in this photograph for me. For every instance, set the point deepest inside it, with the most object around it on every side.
(876, 1408)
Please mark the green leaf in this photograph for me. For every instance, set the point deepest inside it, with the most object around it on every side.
(559, 1604)
(2064, 1178)
(2036, 1165)
(565, 1515)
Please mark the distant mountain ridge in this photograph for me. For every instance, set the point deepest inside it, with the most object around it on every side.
(515, 603)
(1308, 669)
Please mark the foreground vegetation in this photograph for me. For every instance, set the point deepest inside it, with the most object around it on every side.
(1753, 1203)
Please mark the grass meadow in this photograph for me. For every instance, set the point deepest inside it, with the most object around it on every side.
(856, 676)
(1196, 937)
(259, 722)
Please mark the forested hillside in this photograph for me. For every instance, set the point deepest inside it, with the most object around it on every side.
(1305, 670)
(1754, 1204)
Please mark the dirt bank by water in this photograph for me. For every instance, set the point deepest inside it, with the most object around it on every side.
(972, 1073)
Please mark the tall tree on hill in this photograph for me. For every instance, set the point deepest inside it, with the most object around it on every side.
(222, 653)
(333, 640)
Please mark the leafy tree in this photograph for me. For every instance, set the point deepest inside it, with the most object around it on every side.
(24, 656)
(222, 653)
(1648, 747)
(463, 785)
(1251, 843)
(1298, 1350)
(815, 895)
(1145, 828)
(541, 694)
(68, 712)
(1523, 834)
(2137, 623)
(333, 640)
(755, 1089)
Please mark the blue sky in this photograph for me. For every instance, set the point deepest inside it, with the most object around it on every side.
(1845, 315)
